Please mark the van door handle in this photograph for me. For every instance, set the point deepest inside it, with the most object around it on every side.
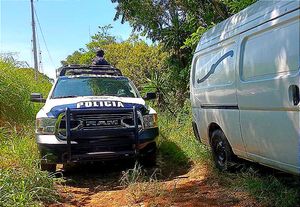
(294, 94)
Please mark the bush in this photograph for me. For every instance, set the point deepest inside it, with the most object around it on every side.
(21, 181)
(16, 85)
(177, 140)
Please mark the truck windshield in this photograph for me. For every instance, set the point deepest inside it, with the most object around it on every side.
(94, 86)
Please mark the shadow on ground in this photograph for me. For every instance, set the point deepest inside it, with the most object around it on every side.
(264, 171)
(105, 176)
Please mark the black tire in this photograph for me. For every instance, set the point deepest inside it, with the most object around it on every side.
(221, 150)
(68, 166)
(148, 160)
(48, 167)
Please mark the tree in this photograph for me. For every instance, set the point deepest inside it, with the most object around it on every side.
(136, 59)
(235, 6)
(171, 23)
(177, 25)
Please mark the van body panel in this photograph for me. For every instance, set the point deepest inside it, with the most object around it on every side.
(215, 95)
(196, 113)
(269, 66)
(272, 135)
(243, 78)
(232, 131)
(251, 17)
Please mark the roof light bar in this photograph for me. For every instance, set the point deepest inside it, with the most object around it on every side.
(88, 70)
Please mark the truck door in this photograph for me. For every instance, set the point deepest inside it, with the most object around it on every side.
(268, 92)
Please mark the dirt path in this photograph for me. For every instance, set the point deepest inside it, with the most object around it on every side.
(99, 186)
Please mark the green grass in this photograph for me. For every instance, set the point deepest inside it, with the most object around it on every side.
(270, 190)
(178, 145)
(16, 85)
(23, 184)
(177, 141)
(21, 181)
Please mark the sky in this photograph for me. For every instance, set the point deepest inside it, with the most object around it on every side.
(66, 25)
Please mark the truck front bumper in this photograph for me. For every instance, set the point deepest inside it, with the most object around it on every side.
(54, 150)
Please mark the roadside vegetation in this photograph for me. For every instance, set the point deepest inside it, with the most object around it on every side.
(269, 187)
(181, 152)
(16, 84)
(21, 181)
(174, 27)
(23, 184)
(162, 67)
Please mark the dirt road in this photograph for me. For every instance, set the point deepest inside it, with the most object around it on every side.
(100, 185)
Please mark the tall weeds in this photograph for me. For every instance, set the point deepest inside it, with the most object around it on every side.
(16, 85)
(21, 181)
(179, 147)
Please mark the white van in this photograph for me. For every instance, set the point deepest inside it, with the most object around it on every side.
(245, 86)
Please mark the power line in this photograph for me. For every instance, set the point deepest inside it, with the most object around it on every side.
(49, 55)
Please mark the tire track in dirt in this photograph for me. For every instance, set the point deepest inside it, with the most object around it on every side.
(99, 186)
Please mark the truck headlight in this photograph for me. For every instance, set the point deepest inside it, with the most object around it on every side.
(150, 121)
(45, 125)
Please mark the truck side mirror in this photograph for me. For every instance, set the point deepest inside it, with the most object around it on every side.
(150, 96)
(37, 97)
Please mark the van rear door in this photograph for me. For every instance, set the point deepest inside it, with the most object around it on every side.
(268, 92)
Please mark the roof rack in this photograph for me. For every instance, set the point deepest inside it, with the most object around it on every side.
(88, 70)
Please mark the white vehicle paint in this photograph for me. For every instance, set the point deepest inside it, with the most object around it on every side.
(95, 115)
(85, 101)
(90, 101)
(245, 81)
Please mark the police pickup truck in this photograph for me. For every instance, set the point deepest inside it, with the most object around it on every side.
(94, 113)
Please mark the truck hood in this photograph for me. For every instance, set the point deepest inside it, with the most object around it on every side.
(54, 107)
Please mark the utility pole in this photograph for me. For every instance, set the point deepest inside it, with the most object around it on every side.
(35, 56)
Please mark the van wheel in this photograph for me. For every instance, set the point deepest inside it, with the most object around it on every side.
(221, 150)
(48, 167)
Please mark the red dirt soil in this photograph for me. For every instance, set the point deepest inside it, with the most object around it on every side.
(103, 189)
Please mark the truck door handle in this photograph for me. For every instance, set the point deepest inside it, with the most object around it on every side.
(294, 94)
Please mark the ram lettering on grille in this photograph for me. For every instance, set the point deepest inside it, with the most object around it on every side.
(90, 123)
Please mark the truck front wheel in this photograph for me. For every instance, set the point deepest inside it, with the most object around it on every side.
(48, 167)
(149, 160)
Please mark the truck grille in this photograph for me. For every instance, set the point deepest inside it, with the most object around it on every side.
(82, 122)
(106, 120)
